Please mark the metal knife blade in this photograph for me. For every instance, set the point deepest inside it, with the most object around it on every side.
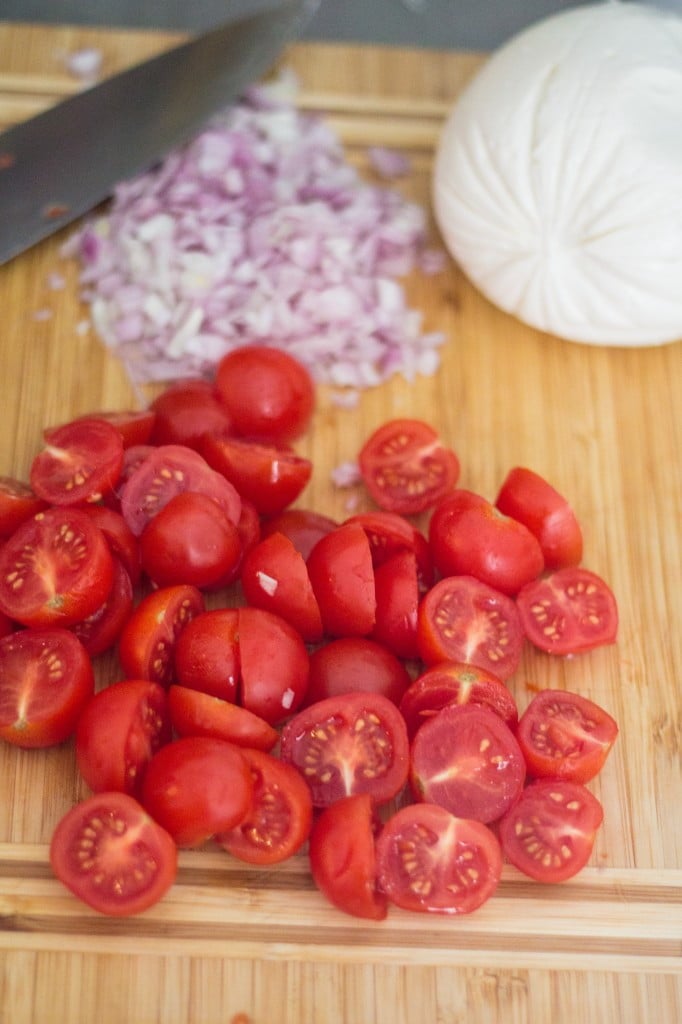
(58, 165)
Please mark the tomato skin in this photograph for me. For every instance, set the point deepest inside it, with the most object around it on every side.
(269, 476)
(466, 759)
(187, 410)
(302, 526)
(132, 861)
(81, 461)
(430, 861)
(565, 736)
(7, 625)
(100, 631)
(275, 577)
(452, 682)
(119, 731)
(355, 743)
(274, 665)
(55, 569)
(194, 713)
(396, 584)
(406, 468)
(268, 394)
(206, 654)
(461, 619)
(343, 859)
(470, 537)
(147, 642)
(355, 664)
(549, 833)
(197, 786)
(342, 576)
(281, 814)
(18, 503)
(568, 612)
(121, 540)
(46, 679)
(530, 499)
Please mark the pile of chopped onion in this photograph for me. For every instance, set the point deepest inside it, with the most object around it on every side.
(258, 230)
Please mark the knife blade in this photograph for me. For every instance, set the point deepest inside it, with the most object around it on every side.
(60, 164)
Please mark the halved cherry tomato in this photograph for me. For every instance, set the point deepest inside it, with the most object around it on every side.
(55, 569)
(187, 410)
(197, 786)
(18, 503)
(430, 861)
(133, 458)
(529, 498)
(147, 643)
(281, 814)
(406, 468)
(80, 462)
(570, 611)
(194, 713)
(565, 736)
(100, 631)
(119, 731)
(274, 665)
(110, 854)
(46, 679)
(206, 653)
(302, 526)
(396, 584)
(134, 425)
(390, 534)
(268, 394)
(274, 576)
(466, 759)
(355, 664)
(549, 833)
(451, 682)
(343, 857)
(462, 619)
(120, 538)
(342, 576)
(471, 537)
(269, 476)
(356, 743)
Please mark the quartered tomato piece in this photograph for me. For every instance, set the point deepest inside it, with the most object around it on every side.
(18, 503)
(134, 425)
(396, 584)
(269, 476)
(101, 630)
(120, 538)
(274, 576)
(147, 644)
(206, 653)
(570, 611)
(194, 713)
(529, 498)
(80, 462)
(452, 682)
(187, 410)
(565, 736)
(302, 526)
(342, 576)
(390, 534)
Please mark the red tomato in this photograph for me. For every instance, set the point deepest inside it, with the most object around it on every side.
(549, 833)
(462, 619)
(396, 584)
(207, 653)
(565, 736)
(356, 743)
(390, 534)
(120, 538)
(166, 471)
(355, 664)
(101, 630)
(470, 537)
(270, 477)
(7, 626)
(570, 611)
(466, 759)
(281, 814)
(268, 394)
(451, 682)
(529, 498)
(133, 458)
(18, 503)
(406, 468)
(187, 410)
(55, 569)
(134, 425)
(274, 576)
(197, 786)
(342, 575)
(190, 540)
(302, 526)
(119, 731)
(343, 858)
(46, 679)
(80, 462)
(110, 854)
(194, 713)
(428, 860)
(147, 643)
(274, 665)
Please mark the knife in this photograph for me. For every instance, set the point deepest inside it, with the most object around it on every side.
(63, 162)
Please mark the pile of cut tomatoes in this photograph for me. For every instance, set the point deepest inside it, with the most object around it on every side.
(288, 682)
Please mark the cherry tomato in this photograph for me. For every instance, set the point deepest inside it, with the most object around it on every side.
(466, 759)
(470, 537)
(133, 458)
(206, 653)
(110, 854)
(268, 476)
(355, 664)
(529, 498)
(396, 584)
(462, 619)
(80, 462)
(342, 576)
(274, 665)
(100, 631)
(549, 833)
(343, 858)
(194, 713)
(187, 410)
(565, 736)
(122, 542)
(147, 643)
(197, 786)
(46, 679)
(18, 503)
(451, 682)
(302, 526)
(119, 731)
(430, 861)
(570, 611)
(274, 576)
(406, 468)
(355, 743)
(281, 814)
(134, 425)
(390, 534)
(55, 569)
(268, 394)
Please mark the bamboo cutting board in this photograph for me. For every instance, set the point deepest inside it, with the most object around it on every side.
(235, 944)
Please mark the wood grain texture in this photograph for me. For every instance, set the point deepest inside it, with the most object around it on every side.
(605, 426)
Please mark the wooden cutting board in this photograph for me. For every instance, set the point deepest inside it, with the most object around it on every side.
(233, 944)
